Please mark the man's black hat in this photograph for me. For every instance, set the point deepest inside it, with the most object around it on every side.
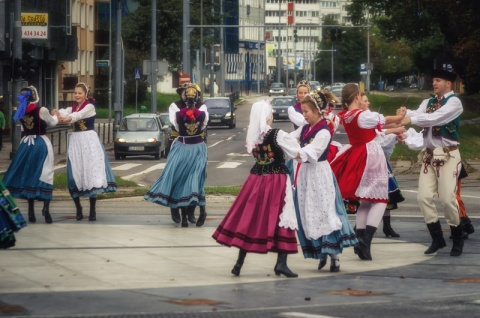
(443, 74)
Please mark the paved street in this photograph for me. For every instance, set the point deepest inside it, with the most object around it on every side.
(135, 262)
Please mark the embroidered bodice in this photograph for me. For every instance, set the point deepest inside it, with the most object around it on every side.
(308, 135)
(32, 123)
(189, 127)
(356, 134)
(269, 157)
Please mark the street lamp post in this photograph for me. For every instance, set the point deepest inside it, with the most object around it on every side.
(279, 66)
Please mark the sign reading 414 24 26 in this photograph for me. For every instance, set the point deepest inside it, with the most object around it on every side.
(34, 25)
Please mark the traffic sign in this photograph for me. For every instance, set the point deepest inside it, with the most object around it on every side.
(137, 74)
(184, 78)
(101, 63)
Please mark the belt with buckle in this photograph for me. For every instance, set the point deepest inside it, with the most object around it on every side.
(445, 149)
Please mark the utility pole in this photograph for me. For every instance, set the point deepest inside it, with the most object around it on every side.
(118, 107)
(17, 83)
(153, 54)
(186, 38)
(279, 50)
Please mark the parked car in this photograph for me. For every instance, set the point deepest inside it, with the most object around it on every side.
(390, 88)
(221, 112)
(413, 86)
(277, 89)
(314, 86)
(337, 91)
(141, 134)
(280, 107)
(292, 92)
(171, 132)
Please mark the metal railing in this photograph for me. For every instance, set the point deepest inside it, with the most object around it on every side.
(60, 134)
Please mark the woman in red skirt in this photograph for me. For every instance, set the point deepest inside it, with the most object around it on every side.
(361, 168)
(262, 218)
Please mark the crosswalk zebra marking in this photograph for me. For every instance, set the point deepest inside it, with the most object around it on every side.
(152, 168)
(126, 166)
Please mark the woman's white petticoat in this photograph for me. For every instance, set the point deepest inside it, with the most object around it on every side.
(87, 160)
(374, 182)
(316, 200)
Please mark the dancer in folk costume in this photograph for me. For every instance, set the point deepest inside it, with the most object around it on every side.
(324, 229)
(88, 167)
(361, 168)
(30, 175)
(440, 119)
(182, 183)
(414, 141)
(11, 220)
(262, 218)
(173, 109)
(387, 138)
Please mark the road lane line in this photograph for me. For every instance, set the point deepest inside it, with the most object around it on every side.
(159, 166)
(126, 166)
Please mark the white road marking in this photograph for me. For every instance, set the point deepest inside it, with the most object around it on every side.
(462, 195)
(210, 146)
(126, 166)
(303, 315)
(238, 154)
(159, 166)
(229, 165)
(59, 167)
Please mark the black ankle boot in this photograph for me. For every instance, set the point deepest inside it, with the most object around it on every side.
(366, 243)
(467, 225)
(436, 233)
(202, 216)
(457, 236)
(46, 212)
(175, 212)
(387, 228)
(282, 268)
(191, 214)
(238, 265)
(184, 217)
(93, 212)
(322, 263)
(31, 211)
(334, 265)
(360, 233)
(78, 206)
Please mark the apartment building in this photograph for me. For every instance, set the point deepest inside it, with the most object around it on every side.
(294, 28)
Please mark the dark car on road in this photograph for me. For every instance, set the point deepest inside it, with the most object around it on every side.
(141, 134)
(292, 92)
(280, 107)
(277, 89)
(221, 112)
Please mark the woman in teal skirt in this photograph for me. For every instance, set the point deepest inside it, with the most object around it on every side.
(181, 184)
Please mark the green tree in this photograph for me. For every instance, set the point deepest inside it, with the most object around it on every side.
(136, 34)
(440, 31)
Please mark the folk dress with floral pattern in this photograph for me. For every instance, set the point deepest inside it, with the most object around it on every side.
(262, 217)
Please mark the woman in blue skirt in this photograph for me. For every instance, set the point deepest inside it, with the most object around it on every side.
(30, 175)
(323, 227)
(181, 184)
(88, 168)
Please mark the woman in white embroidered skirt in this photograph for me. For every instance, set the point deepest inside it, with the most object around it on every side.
(88, 168)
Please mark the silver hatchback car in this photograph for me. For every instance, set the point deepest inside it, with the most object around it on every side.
(141, 134)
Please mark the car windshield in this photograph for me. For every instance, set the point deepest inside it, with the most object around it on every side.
(217, 103)
(165, 119)
(282, 102)
(277, 85)
(138, 124)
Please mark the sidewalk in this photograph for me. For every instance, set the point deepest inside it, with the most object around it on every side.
(135, 262)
